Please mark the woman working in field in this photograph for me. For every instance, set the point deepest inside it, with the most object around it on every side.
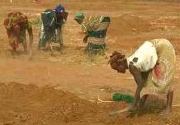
(153, 68)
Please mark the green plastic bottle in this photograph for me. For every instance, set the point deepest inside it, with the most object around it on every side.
(123, 97)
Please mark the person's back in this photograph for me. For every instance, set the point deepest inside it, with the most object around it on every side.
(16, 21)
(51, 27)
(95, 29)
(155, 81)
(48, 18)
(145, 57)
(16, 25)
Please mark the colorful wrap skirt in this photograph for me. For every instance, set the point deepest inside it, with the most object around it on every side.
(14, 23)
(161, 76)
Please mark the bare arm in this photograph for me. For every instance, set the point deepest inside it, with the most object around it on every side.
(139, 81)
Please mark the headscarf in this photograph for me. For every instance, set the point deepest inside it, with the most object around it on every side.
(79, 16)
(116, 60)
(59, 8)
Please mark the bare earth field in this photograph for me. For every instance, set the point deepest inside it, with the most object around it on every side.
(64, 89)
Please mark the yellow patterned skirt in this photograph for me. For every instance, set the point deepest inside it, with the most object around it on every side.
(160, 78)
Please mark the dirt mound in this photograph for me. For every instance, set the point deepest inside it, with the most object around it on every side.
(171, 22)
(128, 24)
(32, 105)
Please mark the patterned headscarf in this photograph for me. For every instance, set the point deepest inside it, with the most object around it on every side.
(116, 60)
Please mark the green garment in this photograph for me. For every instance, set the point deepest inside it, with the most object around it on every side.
(123, 97)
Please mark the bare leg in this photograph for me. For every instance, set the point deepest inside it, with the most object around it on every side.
(41, 37)
(169, 102)
(128, 108)
(61, 35)
(25, 46)
(143, 100)
(50, 47)
(14, 51)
